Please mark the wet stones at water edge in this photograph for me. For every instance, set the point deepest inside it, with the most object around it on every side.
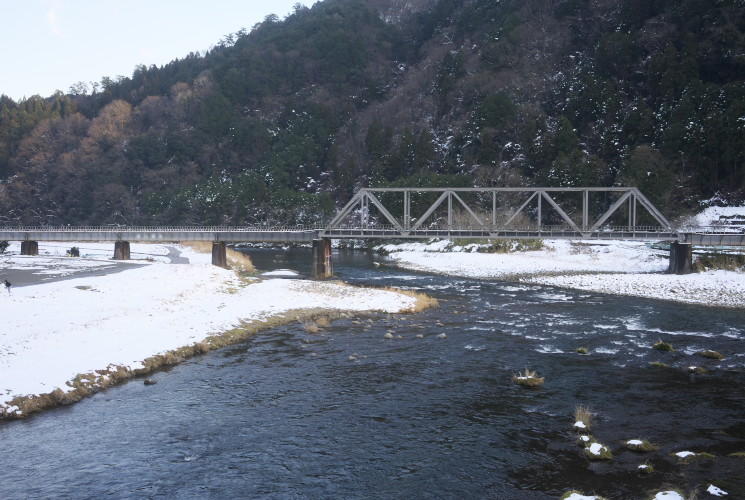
(150, 381)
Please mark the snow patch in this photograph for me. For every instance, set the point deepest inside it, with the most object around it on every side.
(717, 492)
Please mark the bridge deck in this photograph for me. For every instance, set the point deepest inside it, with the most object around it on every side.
(547, 232)
(235, 234)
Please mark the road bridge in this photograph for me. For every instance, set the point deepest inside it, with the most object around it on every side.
(423, 213)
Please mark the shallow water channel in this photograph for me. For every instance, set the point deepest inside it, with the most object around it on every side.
(290, 414)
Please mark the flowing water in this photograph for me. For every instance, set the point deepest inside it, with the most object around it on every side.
(346, 413)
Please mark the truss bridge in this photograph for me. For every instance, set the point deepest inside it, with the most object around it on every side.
(490, 213)
(619, 213)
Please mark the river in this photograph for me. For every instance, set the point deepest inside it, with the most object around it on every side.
(347, 413)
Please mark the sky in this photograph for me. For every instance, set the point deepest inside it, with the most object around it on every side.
(49, 45)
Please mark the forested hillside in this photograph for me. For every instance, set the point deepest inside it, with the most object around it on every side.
(282, 122)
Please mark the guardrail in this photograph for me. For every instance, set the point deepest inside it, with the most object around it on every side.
(160, 229)
(156, 234)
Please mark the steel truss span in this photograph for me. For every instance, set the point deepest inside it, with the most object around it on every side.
(572, 213)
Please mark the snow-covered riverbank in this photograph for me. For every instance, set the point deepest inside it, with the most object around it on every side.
(615, 267)
(53, 332)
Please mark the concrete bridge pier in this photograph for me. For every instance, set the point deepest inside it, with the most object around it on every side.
(322, 266)
(220, 254)
(29, 248)
(681, 258)
(121, 250)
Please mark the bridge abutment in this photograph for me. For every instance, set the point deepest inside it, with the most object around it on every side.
(220, 254)
(681, 258)
(121, 250)
(29, 248)
(322, 266)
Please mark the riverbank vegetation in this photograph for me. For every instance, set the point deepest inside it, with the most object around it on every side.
(238, 261)
(422, 301)
(715, 261)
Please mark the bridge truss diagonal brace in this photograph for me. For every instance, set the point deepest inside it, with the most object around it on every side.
(561, 212)
(429, 211)
(473, 214)
(347, 210)
(446, 195)
(360, 200)
(653, 211)
(385, 212)
(519, 210)
(611, 211)
(633, 196)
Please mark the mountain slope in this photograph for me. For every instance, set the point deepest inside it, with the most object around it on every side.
(283, 123)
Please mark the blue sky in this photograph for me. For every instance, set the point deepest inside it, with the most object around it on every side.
(49, 45)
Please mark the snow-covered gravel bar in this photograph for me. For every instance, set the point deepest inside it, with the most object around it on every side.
(53, 331)
(614, 267)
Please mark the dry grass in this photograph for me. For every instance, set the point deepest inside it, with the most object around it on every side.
(311, 327)
(422, 300)
(237, 261)
(83, 385)
(240, 262)
(528, 379)
(583, 414)
(580, 248)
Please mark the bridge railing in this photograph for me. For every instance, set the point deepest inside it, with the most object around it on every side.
(161, 229)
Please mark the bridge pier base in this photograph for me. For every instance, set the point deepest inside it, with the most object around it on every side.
(681, 258)
(220, 254)
(29, 248)
(322, 266)
(121, 250)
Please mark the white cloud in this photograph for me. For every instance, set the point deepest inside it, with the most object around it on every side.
(53, 19)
